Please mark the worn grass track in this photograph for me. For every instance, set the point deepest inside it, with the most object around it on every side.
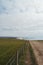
(33, 59)
(28, 57)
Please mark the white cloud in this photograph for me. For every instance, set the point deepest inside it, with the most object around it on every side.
(22, 18)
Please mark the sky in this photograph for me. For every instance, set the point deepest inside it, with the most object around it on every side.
(21, 18)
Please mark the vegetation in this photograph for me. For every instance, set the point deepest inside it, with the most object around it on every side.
(8, 47)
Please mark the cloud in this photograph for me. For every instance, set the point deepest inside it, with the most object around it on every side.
(12, 6)
(21, 18)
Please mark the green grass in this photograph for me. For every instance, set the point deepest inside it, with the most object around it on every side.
(8, 47)
(22, 58)
(41, 41)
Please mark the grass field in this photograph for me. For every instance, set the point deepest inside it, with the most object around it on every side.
(8, 47)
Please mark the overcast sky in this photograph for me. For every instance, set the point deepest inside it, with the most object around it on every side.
(21, 18)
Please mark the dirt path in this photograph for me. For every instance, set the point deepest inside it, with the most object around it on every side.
(38, 51)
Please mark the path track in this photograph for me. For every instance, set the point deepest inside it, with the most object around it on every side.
(38, 51)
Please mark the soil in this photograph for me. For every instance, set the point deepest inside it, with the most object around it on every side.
(38, 50)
